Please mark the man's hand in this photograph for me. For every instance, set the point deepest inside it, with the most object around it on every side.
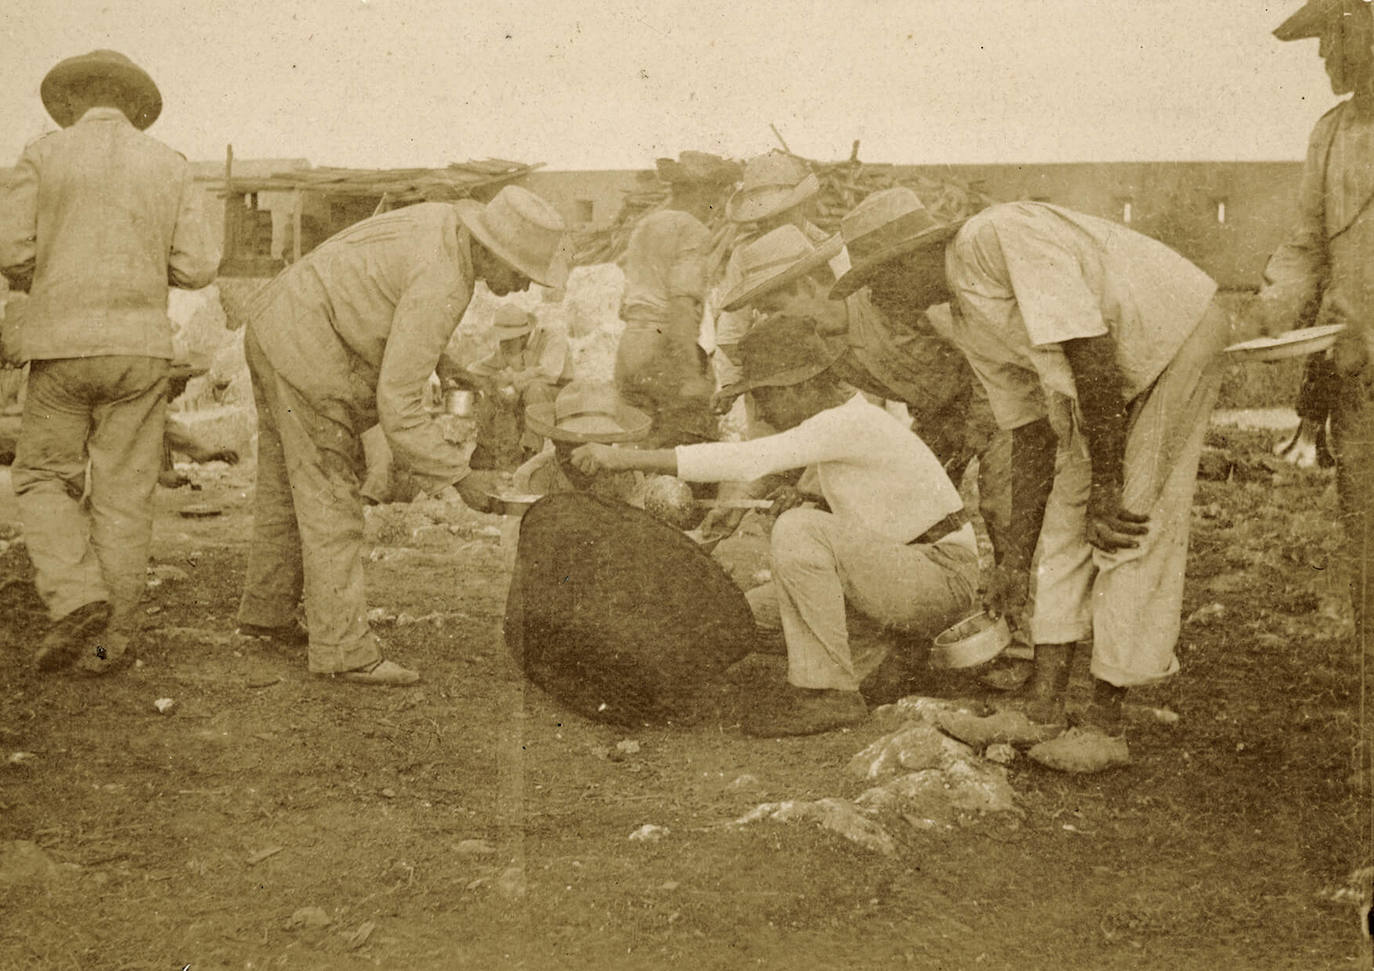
(594, 457)
(1007, 591)
(478, 490)
(1110, 527)
(784, 497)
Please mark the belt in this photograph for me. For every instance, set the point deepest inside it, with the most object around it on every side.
(955, 520)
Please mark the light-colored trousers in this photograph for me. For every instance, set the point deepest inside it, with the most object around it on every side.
(823, 565)
(1129, 602)
(307, 522)
(108, 411)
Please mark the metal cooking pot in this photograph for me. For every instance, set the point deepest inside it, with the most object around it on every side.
(460, 402)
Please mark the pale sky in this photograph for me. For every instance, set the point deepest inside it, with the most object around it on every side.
(616, 83)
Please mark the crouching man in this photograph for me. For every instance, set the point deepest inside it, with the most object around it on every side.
(346, 338)
(894, 543)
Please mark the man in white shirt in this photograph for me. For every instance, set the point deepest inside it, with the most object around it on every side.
(1100, 343)
(894, 544)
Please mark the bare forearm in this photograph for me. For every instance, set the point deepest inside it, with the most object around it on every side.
(662, 461)
(1032, 476)
(1102, 404)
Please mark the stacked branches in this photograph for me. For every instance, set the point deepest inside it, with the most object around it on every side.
(843, 186)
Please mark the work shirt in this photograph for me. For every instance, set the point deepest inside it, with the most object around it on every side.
(1028, 276)
(105, 218)
(1325, 269)
(871, 468)
(545, 353)
(363, 319)
(665, 258)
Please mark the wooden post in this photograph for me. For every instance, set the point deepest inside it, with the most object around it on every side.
(229, 213)
(296, 226)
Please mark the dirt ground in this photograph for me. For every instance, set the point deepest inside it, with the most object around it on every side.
(276, 820)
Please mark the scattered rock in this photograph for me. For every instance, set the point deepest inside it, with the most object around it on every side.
(258, 856)
(649, 833)
(1206, 615)
(627, 747)
(745, 781)
(166, 573)
(388, 793)
(836, 815)
(23, 861)
(944, 794)
(1000, 753)
(359, 936)
(914, 709)
(164, 706)
(919, 746)
(475, 847)
(307, 917)
(1147, 715)
(19, 758)
(511, 882)
(1008, 725)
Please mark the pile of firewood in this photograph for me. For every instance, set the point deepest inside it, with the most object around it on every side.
(843, 186)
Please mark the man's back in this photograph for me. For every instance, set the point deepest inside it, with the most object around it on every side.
(104, 213)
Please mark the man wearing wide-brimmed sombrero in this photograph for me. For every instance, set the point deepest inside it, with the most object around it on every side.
(97, 220)
(1324, 274)
(1101, 344)
(344, 339)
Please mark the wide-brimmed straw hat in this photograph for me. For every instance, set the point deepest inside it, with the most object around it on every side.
(699, 168)
(1315, 16)
(772, 183)
(587, 411)
(141, 101)
(774, 260)
(781, 351)
(523, 230)
(510, 322)
(887, 224)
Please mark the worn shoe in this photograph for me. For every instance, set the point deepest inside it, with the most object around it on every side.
(1007, 673)
(1008, 727)
(69, 636)
(288, 635)
(1082, 750)
(380, 672)
(806, 711)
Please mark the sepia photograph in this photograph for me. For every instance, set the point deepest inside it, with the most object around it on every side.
(836, 484)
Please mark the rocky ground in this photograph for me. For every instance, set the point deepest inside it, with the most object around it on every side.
(218, 807)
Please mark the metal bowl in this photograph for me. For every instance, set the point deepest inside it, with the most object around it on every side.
(460, 402)
(971, 642)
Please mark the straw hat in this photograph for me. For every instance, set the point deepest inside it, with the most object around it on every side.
(774, 260)
(699, 167)
(523, 230)
(773, 183)
(886, 225)
(587, 411)
(141, 102)
(781, 351)
(511, 322)
(1315, 16)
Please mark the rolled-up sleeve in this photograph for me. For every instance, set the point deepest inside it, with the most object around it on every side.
(194, 258)
(426, 315)
(19, 222)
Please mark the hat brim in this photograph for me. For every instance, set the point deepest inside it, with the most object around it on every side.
(511, 333)
(1310, 20)
(864, 270)
(741, 209)
(472, 214)
(780, 379)
(740, 295)
(634, 425)
(144, 102)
